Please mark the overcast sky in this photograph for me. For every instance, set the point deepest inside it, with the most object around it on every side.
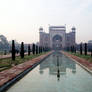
(21, 19)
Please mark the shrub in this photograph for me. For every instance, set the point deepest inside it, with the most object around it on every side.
(36, 49)
(81, 48)
(33, 48)
(85, 48)
(22, 50)
(13, 50)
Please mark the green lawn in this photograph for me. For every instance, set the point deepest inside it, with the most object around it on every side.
(7, 63)
(1, 52)
(87, 57)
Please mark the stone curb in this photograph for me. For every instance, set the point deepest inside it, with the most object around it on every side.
(8, 80)
(90, 71)
(83, 66)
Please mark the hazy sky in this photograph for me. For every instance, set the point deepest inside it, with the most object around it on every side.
(21, 19)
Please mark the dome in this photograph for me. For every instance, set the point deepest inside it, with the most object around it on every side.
(73, 28)
(40, 28)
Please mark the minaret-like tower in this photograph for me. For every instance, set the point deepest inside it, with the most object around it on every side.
(41, 36)
(73, 36)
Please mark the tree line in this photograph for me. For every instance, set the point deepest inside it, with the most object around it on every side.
(35, 50)
(81, 48)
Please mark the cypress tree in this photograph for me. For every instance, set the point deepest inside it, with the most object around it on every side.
(91, 53)
(36, 49)
(85, 48)
(13, 50)
(40, 49)
(33, 48)
(43, 49)
(75, 49)
(22, 50)
(29, 50)
(71, 49)
(81, 48)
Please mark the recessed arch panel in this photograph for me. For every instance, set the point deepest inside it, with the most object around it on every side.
(57, 42)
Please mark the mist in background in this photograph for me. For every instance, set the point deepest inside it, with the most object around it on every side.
(21, 19)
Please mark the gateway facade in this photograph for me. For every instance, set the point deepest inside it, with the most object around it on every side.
(57, 38)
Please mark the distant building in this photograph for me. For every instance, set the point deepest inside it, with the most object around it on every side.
(90, 45)
(37, 44)
(57, 38)
(90, 41)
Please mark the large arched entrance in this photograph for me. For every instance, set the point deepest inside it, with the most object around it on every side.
(57, 42)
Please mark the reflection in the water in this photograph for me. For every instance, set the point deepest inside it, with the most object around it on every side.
(57, 73)
(58, 65)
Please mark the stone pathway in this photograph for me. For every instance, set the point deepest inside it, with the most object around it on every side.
(9, 74)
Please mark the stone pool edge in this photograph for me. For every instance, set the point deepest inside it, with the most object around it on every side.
(10, 82)
(74, 59)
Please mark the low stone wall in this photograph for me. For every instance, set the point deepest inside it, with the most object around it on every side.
(10, 74)
(87, 65)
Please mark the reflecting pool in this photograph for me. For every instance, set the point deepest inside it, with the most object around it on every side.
(57, 73)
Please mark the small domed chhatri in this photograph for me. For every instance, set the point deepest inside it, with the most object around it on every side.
(73, 28)
(40, 28)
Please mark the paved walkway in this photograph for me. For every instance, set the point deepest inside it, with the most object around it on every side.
(80, 60)
(9, 74)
